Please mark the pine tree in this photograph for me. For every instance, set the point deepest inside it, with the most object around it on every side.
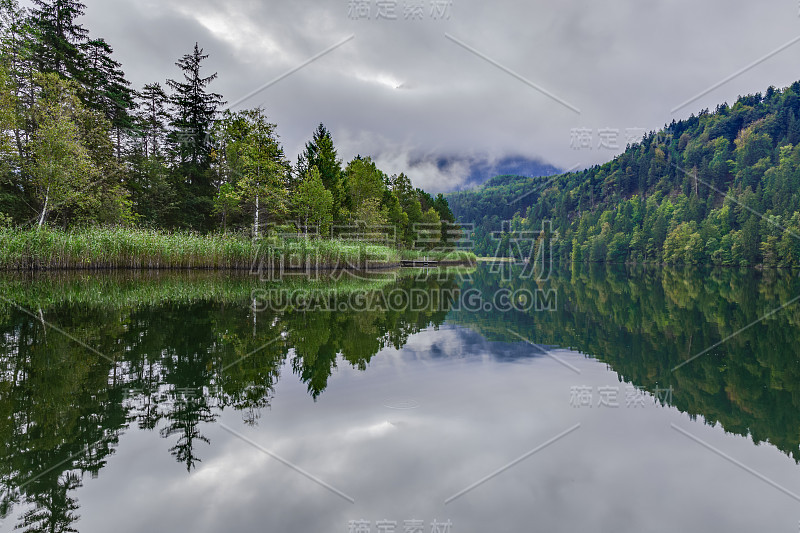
(321, 153)
(107, 90)
(60, 37)
(409, 201)
(443, 208)
(153, 193)
(152, 118)
(194, 110)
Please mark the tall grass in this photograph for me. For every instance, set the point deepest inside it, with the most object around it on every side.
(128, 248)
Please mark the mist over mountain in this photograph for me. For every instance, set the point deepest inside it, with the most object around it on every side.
(447, 173)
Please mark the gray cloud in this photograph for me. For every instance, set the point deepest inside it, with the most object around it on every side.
(402, 92)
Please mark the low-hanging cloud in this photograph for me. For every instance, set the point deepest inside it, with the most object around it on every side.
(402, 91)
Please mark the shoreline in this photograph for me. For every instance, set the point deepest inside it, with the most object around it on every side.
(290, 270)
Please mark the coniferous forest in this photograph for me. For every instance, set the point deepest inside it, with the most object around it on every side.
(720, 187)
(82, 147)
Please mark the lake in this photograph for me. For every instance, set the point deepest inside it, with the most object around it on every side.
(599, 398)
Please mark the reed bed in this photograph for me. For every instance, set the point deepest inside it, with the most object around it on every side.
(101, 248)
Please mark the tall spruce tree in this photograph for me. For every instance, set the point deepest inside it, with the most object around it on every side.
(194, 111)
(321, 153)
(152, 118)
(60, 37)
(153, 192)
(107, 90)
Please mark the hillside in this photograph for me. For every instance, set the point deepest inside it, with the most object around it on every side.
(720, 187)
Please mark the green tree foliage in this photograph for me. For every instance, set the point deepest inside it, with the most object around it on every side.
(60, 37)
(189, 138)
(154, 194)
(719, 187)
(624, 314)
(107, 89)
(72, 166)
(79, 146)
(365, 184)
(314, 203)
(410, 204)
(430, 231)
(62, 168)
(165, 371)
(72, 405)
(252, 161)
(321, 153)
(7, 120)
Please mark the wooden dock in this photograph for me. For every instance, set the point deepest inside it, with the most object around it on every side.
(418, 263)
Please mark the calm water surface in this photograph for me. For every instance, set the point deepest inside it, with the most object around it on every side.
(600, 399)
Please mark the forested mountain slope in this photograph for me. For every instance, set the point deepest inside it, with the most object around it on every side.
(721, 187)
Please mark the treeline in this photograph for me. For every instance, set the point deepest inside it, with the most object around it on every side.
(722, 187)
(80, 146)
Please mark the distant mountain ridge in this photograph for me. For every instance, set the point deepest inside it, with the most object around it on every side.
(480, 170)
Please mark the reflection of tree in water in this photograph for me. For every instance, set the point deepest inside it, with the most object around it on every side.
(167, 366)
(644, 322)
(320, 338)
(54, 509)
(184, 421)
(173, 365)
(63, 417)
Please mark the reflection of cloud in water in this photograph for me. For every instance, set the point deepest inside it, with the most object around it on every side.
(623, 470)
(455, 342)
(373, 431)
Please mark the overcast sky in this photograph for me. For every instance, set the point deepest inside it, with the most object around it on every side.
(404, 92)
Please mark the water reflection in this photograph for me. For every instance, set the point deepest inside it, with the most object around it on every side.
(83, 359)
(744, 371)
